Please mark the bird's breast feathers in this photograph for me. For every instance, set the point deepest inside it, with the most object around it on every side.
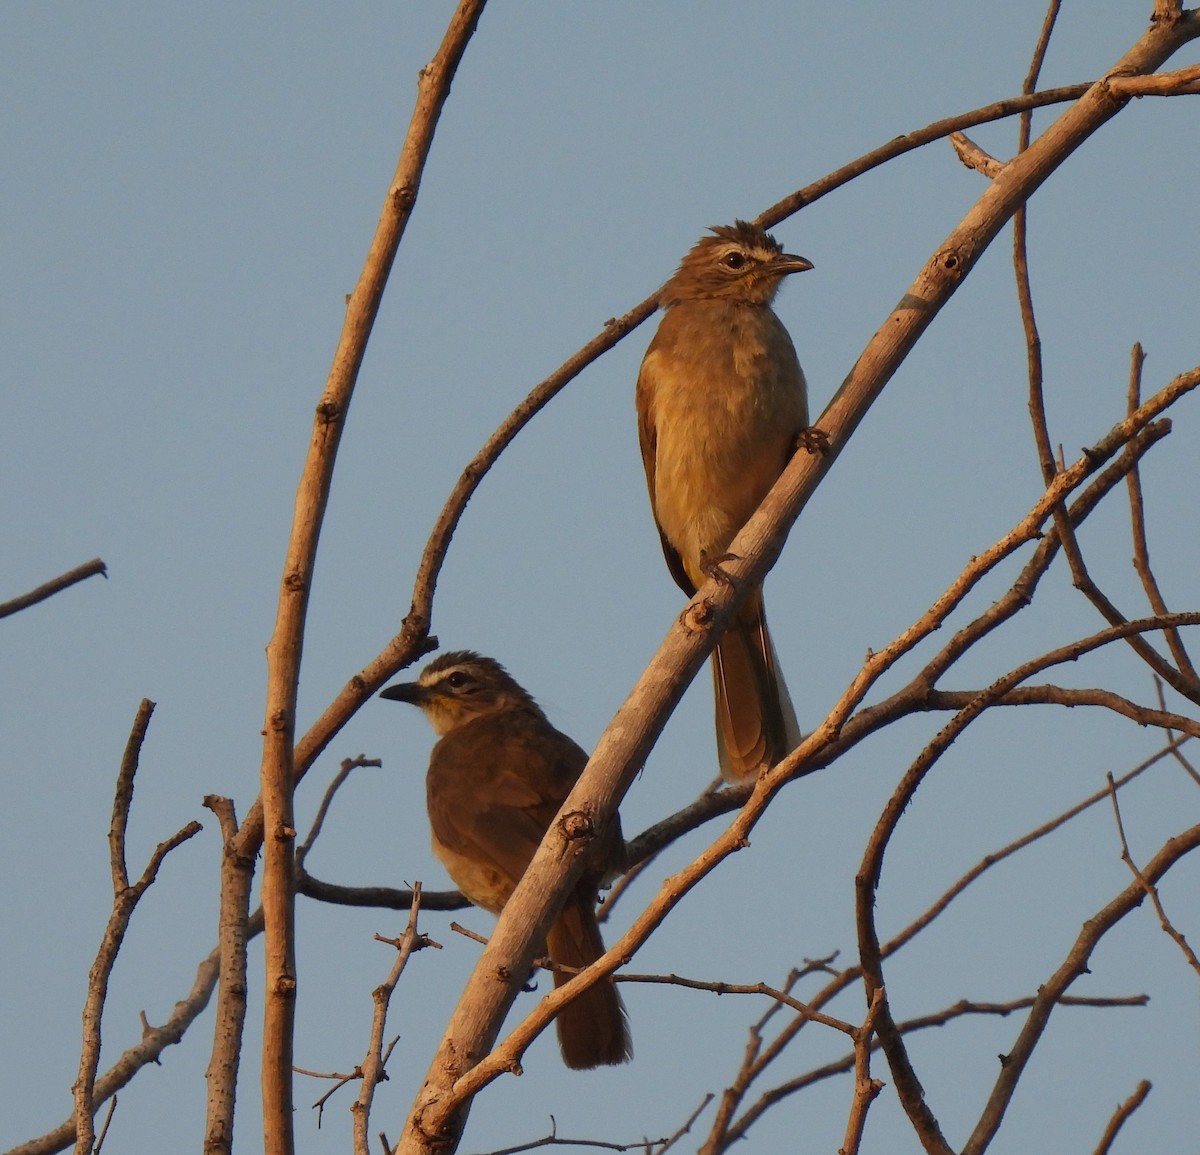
(726, 401)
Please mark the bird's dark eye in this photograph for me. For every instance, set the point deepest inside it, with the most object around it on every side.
(458, 679)
(734, 260)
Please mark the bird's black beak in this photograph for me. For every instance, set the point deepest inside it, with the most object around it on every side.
(412, 692)
(790, 263)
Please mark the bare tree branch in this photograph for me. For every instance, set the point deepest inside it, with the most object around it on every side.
(237, 875)
(738, 1130)
(726, 988)
(347, 767)
(1120, 1115)
(1150, 889)
(278, 775)
(1053, 989)
(1184, 82)
(907, 1084)
(1141, 547)
(1033, 341)
(53, 586)
(373, 1064)
(866, 1088)
(1167, 10)
(125, 899)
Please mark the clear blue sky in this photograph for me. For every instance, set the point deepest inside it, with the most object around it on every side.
(188, 195)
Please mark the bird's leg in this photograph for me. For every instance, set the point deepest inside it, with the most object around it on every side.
(710, 566)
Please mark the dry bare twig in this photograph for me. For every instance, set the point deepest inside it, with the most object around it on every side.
(108, 1118)
(237, 876)
(53, 586)
(1150, 889)
(782, 997)
(683, 1129)
(1120, 1115)
(866, 1088)
(727, 1129)
(1141, 546)
(348, 766)
(907, 1084)
(553, 1139)
(125, 898)
(278, 773)
(374, 1064)
(732, 1131)
(1051, 992)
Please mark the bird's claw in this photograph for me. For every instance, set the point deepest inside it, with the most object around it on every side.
(812, 440)
(711, 566)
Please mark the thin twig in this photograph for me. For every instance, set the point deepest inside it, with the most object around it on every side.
(997, 856)
(53, 586)
(866, 1089)
(1150, 888)
(382, 897)
(964, 1007)
(553, 1139)
(1033, 341)
(904, 1077)
(1141, 546)
(1189, 769)
(112, 1106)
(237, 877)
(781, 997)
(1120, 1115)
(684, 1128)
(751, 1065)
(374, 1065)
(347, 767)
(1052, 695)
(341, 1081)
(125, 899)
(1051, 992)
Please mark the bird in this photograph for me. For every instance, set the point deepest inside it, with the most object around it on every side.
(722, 405)
(498, 775)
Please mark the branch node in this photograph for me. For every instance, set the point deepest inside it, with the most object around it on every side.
(577, 824)
(975, 157)
(697, 617)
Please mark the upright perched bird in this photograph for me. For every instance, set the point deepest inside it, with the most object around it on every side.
(722, 406)
(497, 777)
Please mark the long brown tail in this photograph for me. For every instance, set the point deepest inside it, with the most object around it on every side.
(593, 1030)
(756, 722)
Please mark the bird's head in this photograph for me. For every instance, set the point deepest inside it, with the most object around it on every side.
(459, 686)
(739, 262)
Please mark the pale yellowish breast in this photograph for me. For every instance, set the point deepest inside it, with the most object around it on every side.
(484, 885)
(728, 403)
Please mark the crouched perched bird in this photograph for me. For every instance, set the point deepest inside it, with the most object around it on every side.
(497, 777)
(722, 406)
